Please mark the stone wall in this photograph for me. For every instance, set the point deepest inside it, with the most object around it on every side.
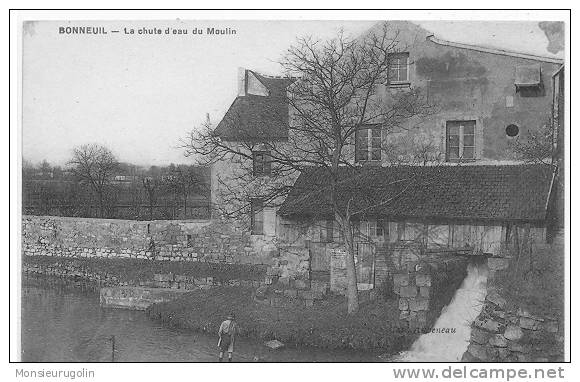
(508, 332)
(424, 289)
(208, 241)
(301, 293)
(502, 335)
(290, 265)
(101, 278)
(288, 279)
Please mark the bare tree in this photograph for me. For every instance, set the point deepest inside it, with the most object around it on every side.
(45, 169)
(338, 98)
(536, 146)
(94, 165)
(185, 181)
(412, 149)
(28, 169)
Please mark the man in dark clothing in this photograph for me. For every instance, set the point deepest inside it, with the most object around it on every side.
(227, 334)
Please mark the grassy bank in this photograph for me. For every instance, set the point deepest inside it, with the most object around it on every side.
(135, 270)
(325, 325)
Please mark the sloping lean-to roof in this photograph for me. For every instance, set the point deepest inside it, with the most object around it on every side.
(489, 193)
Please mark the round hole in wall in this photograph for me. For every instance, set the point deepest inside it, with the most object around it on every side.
(512, 130)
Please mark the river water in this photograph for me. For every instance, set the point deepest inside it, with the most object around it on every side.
(68, 324)
(459, 314)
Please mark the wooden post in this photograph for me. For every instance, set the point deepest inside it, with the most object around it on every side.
(516, 240)
(113, 348)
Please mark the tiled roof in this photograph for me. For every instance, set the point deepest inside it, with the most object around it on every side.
(500, 192)
(253, 117)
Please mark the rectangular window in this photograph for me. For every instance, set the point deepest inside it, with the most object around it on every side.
(361, 145)
(375, 146)
(327, 231)
(368, 144)
(460, 140)
(261, 163)
(378, 228)
(257, 216)
(399, 68)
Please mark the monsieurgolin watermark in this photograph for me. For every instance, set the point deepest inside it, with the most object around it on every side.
(56, 373)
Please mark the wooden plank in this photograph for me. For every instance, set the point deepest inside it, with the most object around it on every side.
(393, 232)
(437, 236)
(414, 232)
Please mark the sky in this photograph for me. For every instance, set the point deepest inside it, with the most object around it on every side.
(139, 94)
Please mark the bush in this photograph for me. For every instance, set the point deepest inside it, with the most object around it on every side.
(326, 325)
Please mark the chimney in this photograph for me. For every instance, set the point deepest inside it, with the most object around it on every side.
(242, 81)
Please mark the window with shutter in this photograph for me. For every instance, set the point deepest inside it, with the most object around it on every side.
(368, 144)
(257, 216)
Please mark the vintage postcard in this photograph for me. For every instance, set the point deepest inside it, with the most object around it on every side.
(281, 190)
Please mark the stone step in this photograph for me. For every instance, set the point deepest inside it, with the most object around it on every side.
(136, 298)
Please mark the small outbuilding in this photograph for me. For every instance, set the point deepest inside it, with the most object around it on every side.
(404, 213)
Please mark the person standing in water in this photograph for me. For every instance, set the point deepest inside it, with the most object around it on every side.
(227, 334)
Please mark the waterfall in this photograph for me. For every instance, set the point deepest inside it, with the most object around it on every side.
(459, 314)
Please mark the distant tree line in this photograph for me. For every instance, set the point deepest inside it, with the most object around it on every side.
(94, 183)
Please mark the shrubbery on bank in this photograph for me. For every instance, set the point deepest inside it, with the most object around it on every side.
(325, 325)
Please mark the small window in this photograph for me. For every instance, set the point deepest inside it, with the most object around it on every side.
(368, 144)
(512, 130)
(261, 163)
(189, 241)
(327, 231)
(399, 69)
(378, 228)
(257, 216)
(460, 140)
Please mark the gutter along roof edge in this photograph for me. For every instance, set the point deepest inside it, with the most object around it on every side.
(500, 52)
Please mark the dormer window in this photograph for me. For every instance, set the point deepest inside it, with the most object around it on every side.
(398, 69)
(261, 163)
